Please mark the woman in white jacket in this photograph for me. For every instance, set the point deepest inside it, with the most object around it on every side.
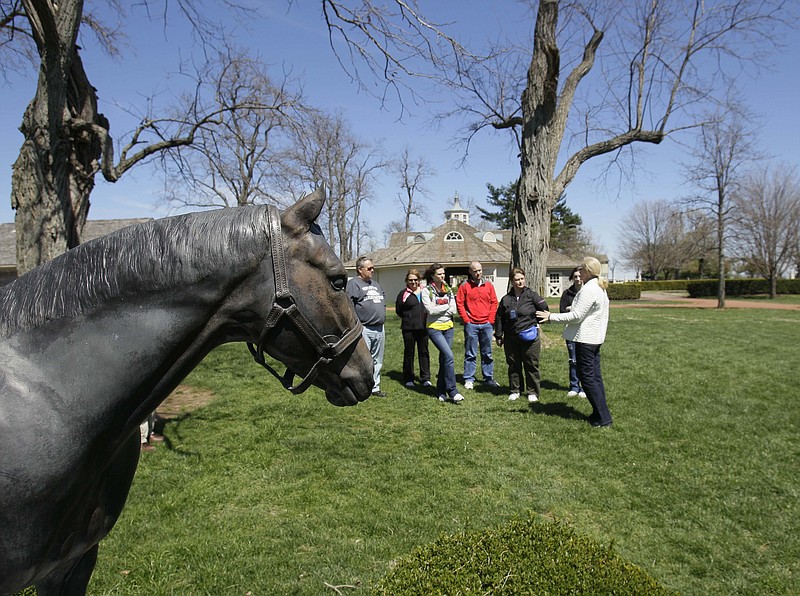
(440, 303)
(586, 326)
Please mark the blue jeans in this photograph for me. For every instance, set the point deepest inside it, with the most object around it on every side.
(476, 334)
(574, 383)
(376, 342)
(446, 378)
(592, 381)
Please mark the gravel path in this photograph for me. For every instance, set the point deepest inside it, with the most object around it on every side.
(675, 300)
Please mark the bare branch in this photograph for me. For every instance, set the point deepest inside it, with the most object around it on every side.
(411, 174)
(767, 221)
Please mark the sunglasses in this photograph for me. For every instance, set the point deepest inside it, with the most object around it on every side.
(412, 280)
(369, 268)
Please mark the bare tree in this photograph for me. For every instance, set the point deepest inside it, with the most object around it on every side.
(701, 240)
(661, 58)
(17, 51)
(235, 160)
(325, 151)
(724, 147)
(767, 221)
(67, 139)
(396, 225)
(652, 238)
(411, 174)
(796, 258)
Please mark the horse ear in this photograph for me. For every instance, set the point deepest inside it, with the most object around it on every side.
(299, 217)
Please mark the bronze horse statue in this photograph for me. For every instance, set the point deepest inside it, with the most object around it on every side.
(93, 341)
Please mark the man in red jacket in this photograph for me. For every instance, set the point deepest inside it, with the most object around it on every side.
(477, 306)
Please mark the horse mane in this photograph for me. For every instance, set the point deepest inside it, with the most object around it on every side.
(144, 258)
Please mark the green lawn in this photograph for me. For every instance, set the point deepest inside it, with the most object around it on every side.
(680, 296)
(780, 299)
(263, 492)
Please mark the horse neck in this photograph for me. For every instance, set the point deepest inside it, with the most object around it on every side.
(111, 366)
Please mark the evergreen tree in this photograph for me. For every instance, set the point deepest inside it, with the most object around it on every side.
(566, 234)
(565, 228)
(502, 198)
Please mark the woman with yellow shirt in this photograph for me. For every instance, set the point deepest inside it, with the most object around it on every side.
(440, 304)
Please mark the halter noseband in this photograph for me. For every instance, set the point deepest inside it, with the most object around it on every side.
(284, 305)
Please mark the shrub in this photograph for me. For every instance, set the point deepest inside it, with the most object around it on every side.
(741, 287)
(520, 557)
(626, 291)
(789, 286)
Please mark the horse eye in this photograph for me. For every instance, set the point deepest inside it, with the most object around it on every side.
(339, 283)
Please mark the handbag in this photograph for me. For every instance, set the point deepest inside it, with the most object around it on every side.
(529, 334)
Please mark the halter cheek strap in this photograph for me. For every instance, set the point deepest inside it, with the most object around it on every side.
(284, 306)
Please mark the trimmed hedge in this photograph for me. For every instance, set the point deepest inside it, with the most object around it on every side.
(741, 287)
(625, 291)
(520, 557)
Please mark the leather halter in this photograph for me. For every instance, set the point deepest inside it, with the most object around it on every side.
(284, 306)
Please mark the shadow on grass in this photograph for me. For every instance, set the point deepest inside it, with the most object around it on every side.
(554, 386)
(560, 409)
(173, 423)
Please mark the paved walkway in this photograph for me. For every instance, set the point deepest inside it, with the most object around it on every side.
(662, 299)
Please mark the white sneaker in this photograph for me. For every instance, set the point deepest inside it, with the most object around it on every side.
(469, 384)
(410, 384)
(532, 398)
(442, 397)
(582, 394)
(457, 398)
(572, 393)
(513, 397)
(427, 384)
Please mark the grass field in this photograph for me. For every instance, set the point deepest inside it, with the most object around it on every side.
(262, 492)
(782, 299)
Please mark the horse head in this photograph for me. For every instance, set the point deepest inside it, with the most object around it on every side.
(311, 326)
(94, 340)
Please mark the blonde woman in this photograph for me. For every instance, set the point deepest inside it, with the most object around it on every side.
(586, 326)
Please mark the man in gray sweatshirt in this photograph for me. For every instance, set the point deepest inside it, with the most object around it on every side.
(369, 300)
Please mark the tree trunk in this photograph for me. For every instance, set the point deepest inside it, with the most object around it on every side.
(342, 228)
(537, 192)
(721, 283)
(530, 233)
(720, 244)
(54, 174)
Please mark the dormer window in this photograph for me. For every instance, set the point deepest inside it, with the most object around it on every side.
(419, 239)
(453, 237)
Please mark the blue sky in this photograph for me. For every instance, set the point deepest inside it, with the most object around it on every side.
(297, 39)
